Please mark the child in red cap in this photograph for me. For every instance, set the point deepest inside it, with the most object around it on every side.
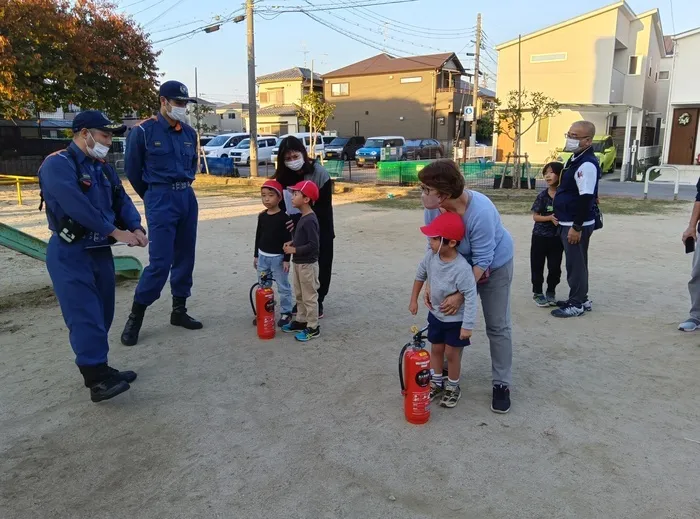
(305, 249)
(448, 272)
(270, 237)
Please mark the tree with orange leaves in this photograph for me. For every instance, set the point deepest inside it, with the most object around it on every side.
(53, 53)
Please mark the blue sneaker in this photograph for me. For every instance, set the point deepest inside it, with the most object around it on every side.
(294, 327)
(307, 334)
(571, 310)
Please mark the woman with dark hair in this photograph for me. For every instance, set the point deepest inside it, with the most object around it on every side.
(488, 249)
(294, 165)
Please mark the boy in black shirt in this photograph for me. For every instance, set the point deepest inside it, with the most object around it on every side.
(270, 238)
(546, 243)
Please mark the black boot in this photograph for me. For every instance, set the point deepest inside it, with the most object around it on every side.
(130, 335)
(126, 376)
(102, 383)
(179, 315)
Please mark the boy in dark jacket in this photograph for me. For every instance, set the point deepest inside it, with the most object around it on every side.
(305, 250)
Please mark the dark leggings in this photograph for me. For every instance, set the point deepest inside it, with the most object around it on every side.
(550, 250)
(325, 266)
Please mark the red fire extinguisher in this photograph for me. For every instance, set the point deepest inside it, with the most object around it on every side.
(264, 306)
(414, 376)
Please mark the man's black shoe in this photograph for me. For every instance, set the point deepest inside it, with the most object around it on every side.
(107, 389)
(179, 316)
(130, 335)
(103, 382)
(501, 399)
(126, 376)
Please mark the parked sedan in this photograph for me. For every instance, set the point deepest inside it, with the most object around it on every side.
(343, 148)
(419, 149)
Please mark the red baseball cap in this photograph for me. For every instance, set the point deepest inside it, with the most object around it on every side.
(307, 188)
(447, 225)
(273, 184)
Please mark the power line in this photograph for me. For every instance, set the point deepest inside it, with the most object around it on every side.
(673, 21)
(147, 8)
(162, 13)
(417, 28)
(365, 41)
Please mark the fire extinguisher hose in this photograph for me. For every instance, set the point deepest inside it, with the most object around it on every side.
(252, 300)
(403, 350)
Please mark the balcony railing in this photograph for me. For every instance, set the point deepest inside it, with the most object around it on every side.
(453, 90)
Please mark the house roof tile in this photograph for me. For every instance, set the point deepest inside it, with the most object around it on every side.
(298, 73)
(386, 64)
(278, 110)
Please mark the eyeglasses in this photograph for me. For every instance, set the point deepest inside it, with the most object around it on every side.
(426, 190)
(567, 135)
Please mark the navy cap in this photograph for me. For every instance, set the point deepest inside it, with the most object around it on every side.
(96, 120)
(175, 90)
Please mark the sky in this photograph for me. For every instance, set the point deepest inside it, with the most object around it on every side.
(403, 29)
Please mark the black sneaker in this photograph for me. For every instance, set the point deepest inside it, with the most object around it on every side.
(294, 327)
(540, 300)
(501, 399)
(567, 311)
(320, 310)
(107, 389)
(587, 306)
(284, 320)
(551, 299)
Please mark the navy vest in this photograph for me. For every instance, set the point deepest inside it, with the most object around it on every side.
(567, 198)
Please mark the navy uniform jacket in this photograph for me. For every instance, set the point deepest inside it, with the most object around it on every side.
(157, 153)
(91, 209)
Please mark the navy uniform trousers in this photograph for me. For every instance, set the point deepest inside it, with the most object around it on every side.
(172, 213)
(83, 280)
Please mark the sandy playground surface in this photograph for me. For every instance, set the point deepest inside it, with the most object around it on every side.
(220, 424)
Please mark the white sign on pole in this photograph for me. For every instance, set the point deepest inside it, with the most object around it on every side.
(469, 113)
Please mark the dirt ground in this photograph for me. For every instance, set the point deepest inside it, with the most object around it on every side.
(220, 424)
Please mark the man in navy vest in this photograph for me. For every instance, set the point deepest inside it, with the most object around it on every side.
(574, 208)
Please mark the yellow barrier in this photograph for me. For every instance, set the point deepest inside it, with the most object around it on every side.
(6, 180)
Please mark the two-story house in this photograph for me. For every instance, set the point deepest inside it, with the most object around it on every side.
(415, 97)
(278, 93)
(607, 66)
(682, 146)
(232, 117)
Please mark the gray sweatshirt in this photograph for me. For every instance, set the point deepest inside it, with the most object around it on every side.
(306, 240)
(446, 278)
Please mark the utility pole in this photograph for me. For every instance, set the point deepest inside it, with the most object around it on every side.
(252, 98)
(475, 96)
(312, 137)
(196, 109)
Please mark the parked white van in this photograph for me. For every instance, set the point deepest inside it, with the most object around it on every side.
(306, 139)
(241, 153)
(222, 145)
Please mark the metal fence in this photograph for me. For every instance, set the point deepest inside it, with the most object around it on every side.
(29, 166)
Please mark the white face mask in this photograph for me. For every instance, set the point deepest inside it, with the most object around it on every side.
(178, 113)
(98, 150)
(572, 145)
(294, 165)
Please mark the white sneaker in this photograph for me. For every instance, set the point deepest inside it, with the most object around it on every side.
(689, 325)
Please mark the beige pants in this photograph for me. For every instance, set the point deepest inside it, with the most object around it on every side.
(306, 291)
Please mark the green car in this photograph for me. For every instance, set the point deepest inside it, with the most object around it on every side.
(604, 149)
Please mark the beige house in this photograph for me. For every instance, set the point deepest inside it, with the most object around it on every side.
(231, 117)
(416, 97)
(683, 140)
(608, 66)
(277, 95)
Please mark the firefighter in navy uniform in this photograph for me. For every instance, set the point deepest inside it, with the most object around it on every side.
(87, 210)
(161, 161)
